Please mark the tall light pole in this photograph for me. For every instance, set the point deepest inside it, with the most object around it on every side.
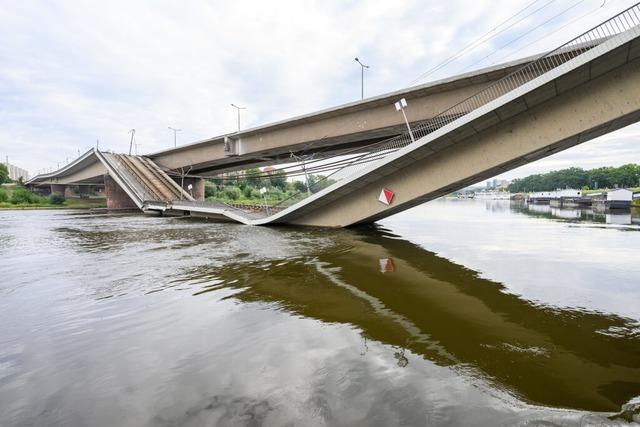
(362, 67)
(301, 161)
(133, 134)
(175, 138)
(238, 108)
(400, 106)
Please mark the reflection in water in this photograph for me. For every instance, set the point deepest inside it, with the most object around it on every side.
(451, 316)
(620, 217)
(136, 320)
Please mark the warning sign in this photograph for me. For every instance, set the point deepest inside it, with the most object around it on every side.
(386, 196)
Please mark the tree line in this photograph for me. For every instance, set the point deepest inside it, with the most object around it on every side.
(605, 177)
(4, 174)
(246, 188)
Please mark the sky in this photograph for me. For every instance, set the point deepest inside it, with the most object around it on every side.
(74, 72)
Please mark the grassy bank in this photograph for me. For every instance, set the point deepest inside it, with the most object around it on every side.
(68, 204)
(17, 197)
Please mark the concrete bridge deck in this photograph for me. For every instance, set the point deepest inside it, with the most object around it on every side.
(586, 88)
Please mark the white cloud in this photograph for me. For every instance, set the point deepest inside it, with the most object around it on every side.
(71, 72)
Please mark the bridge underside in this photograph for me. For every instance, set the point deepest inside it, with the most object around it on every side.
(572, 116)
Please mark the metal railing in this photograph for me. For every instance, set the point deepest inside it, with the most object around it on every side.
(144, 192)
(366, 156)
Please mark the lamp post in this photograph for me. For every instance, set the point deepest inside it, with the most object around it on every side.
(362, 67)
(301, 161)
(238, 108)
(400, 106)
(263, 192)
(133, 134)
(175, 138)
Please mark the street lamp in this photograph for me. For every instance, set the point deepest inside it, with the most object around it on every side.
(175, 131)
(400, 106)
(263, 192)
(362, 67)
(238, 108)
(133, 134)
(301, 161)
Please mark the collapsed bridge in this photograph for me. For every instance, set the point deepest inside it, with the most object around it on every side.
(464, 129)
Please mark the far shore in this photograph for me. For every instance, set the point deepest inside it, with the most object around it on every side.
(68, 204)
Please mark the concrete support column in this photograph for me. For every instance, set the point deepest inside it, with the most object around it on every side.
(116, 196)
(84, 190)
(198, 186)
(97, 189)
(58, 189)
(43, 190)
(69, 193)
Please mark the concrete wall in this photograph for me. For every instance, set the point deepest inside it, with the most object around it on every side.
(58, 189)
(69, 192)
(116, 196)
(197, 192)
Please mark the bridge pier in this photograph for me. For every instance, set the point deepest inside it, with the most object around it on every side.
(69, 192)
(84, 190)
(197, 191)
(58, 189)
(116, 196)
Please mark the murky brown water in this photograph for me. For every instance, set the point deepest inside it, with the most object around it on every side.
(454, 313)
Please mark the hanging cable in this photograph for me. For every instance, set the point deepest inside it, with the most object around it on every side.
(503, 58)
(522, 35)
(482, 39)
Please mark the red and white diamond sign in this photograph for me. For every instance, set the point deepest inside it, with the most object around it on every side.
(386, 196)
(386, 265)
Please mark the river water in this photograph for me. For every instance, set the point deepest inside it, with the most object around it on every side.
(452, 313)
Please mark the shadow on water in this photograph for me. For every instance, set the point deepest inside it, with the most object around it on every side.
(400, 294)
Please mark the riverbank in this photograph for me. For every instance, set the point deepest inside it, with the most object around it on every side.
(17, 197)
(67, 204)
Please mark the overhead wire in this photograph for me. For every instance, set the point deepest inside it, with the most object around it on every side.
(360, 156)
(482, 39)
(329, 166)
(501, 59)
(523, 35)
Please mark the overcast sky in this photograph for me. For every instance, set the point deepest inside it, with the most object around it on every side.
(73, 72)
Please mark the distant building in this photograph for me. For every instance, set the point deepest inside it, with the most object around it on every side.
(15, 173)
(497, 184)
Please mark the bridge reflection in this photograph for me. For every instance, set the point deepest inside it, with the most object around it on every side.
(400, 294)
(617, 217)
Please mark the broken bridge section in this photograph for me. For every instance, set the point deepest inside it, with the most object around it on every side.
(147, 186)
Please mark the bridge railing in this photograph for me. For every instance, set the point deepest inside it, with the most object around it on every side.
(364, 156)
(139, 186)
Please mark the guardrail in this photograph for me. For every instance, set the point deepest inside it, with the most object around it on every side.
(145, 193)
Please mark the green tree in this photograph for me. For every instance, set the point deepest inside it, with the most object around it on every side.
(210, 189)
(4, 174)
(56, 199)
(253, 176)
(279, 179)
(604, 177)
(299, 186)
(232, 193)
(21, 195)
(319, 182)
